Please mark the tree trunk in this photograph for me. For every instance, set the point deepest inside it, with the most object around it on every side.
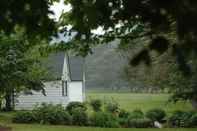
(8, 99)
(194, 104)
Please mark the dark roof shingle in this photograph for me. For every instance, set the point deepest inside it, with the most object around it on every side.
(55, 63)
(76, 64)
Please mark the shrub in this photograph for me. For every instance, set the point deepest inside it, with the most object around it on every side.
(96, 105)
(180, 119)
(123, 114)
(52, 114)
(136, 120)
(123, 122)
(104, 119)
(112, 107)
(58, 117)
(75, 105)
(139, 123)
(193, 120)
(156, 115)
(136, 114)
(79, 117)
(123, 118)
(24, 117)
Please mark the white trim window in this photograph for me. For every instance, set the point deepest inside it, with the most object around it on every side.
(64, 88)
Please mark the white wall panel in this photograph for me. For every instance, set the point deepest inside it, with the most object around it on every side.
(75, 91)
(53, 96)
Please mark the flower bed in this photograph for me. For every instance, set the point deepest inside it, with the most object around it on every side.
(107, 114)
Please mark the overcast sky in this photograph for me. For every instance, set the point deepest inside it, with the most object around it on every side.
(60, 7)
(57, 8)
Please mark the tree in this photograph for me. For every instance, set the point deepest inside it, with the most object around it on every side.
(151, 78)
(31, 15)
(163, 73)
(20, 66)
(128, 20)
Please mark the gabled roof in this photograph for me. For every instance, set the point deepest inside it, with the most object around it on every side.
(55, 64)
(76, 64)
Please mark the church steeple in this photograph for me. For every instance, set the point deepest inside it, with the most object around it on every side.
(65, 73)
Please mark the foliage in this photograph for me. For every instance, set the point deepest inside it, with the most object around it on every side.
(136, 119)
(156, 115)
(162, 26)
(184, 88)
(123, 114)
(112, 107)
(181, 119)
(24, 117)
(104, 119)
(96, 105)
(31, 15)
(79, 117)
(135, 19)
(123, 118)
(194, 120)
(52, 114)
(20, 65)
(44, 114)
(163, 75)
(57, 115)
(136, 114)
(139, 123)
(75, 105)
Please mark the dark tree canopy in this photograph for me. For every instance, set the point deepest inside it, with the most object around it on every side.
(131, 19)
(32, 15)
(169, 26)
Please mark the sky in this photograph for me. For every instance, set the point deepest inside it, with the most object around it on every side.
(57, 8)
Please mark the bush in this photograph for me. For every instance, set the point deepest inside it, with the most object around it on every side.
(156, 115)
(112, 107)
(181, 119)
(96, 105)
(24, 117)
(79, 117)
(57, 117)
(52, 114)
(193, 120)
(75, 105)
(123, 118)
(104, 119)
(136, 120)
(139, 123)
(136, 114)
(123, 122)
(123, 114)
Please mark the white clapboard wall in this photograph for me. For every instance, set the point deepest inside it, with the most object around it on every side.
(53, 95)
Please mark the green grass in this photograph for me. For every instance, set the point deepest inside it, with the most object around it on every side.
(132, 101)
(64, 128)
(128, 101)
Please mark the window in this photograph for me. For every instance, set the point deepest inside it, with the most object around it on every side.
(64, 88)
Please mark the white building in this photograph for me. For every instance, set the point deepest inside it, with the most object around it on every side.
(67, 83)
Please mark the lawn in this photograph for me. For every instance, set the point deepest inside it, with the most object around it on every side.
(128, 101)
(132, 101)
(63, 128)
